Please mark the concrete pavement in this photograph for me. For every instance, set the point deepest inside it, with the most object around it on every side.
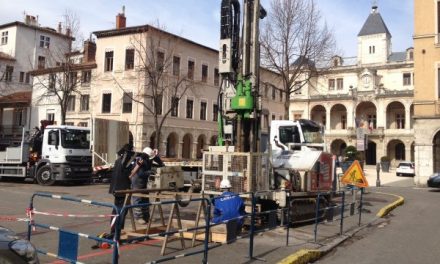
(379, 204)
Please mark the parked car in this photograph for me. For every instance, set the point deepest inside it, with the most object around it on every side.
(405, 168)
(16, 250)
(434, 180)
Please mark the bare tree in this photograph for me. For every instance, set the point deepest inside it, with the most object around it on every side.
(58, 83)
(162, 83)
(293, 41)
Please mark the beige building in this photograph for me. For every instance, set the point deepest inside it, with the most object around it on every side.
(371, 93)
(24, 47)
(120, 88)
(427, 89)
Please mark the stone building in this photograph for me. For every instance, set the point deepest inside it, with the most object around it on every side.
(370, 94)
(119, 88)
(24, 46)
(427, 89)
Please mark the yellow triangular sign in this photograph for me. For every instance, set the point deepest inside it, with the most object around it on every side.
(354, 175)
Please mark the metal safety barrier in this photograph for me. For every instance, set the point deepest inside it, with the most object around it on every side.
(69, 240)
(329, 210)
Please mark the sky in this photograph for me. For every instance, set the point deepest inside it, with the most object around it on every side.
(199, 20)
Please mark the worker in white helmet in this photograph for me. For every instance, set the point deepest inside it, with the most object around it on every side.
(139, 178)
(228, 205)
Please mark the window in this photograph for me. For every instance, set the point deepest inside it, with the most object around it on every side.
(297, 117)
(19, 117)
(4, 40)
(86, 77)
(191, 70)
(71, 103)
(21, 77)
(266, 90)
(400, 121)
(160, 63)
(44, 42)
(127, 102)
(174, 106)
(73, 78)
(8, 73)
(273, 117)
(281, 95)
(176, 66)
(108, 64)
(159, 99)
(84, 103)
(204, 73)
(106, 103)
(438, 17)
(331, 84)
(83, 124)
(371, 119)
(407, 79)
(372, 49)
(214, 112)
(202, 110)
(50, 116)
(274, 93)
(216, 77)
(297, 88)
(52, 81)
(129, 59)
(344, 122)
(41, 62)
(339, 83)
(189, 108)
(28, 77)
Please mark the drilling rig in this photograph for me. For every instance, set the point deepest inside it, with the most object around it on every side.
(295, 167)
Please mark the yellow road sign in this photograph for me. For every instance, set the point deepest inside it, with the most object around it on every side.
(354, 175)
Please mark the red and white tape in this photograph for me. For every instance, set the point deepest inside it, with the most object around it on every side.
(73, 215)
(13, 219)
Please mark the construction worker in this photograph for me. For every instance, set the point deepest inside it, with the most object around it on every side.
(139, 178)
(228, 205)
(120, 173)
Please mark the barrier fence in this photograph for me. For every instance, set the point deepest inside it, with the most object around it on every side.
(329, 211)
(68, 239)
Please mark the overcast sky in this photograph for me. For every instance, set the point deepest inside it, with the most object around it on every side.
(199, 20)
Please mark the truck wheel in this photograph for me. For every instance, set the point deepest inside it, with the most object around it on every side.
(44, 176)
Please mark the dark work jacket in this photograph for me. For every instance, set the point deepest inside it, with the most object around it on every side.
(120, 173)
(228, 206)
(145, 170)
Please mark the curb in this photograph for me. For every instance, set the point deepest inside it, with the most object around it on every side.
(387, 209)
(305, 256)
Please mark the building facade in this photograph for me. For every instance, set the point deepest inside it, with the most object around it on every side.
(427, 89)
(371, 95)
(24, 46)
(120, 89)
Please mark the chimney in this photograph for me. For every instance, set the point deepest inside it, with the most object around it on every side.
(68, 33)
(120, 19)
(89, 51)
(59, 27)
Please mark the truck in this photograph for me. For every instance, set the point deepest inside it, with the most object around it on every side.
(294, 167)
(61, 153)
(51, 153)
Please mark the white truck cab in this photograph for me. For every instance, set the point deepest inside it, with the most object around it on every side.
(291, 135)
(65, 155)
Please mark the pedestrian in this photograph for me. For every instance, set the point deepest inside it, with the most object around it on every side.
(228, 205)
(120, 178)
(139, 178)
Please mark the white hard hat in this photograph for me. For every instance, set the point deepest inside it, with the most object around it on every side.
(225, 184)
(149, 152)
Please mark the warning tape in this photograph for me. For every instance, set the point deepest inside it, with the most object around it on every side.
(13, 219)
(74, 215)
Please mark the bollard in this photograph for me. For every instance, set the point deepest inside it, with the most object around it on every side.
(378, 174)
(360, 206)
(316, 215)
